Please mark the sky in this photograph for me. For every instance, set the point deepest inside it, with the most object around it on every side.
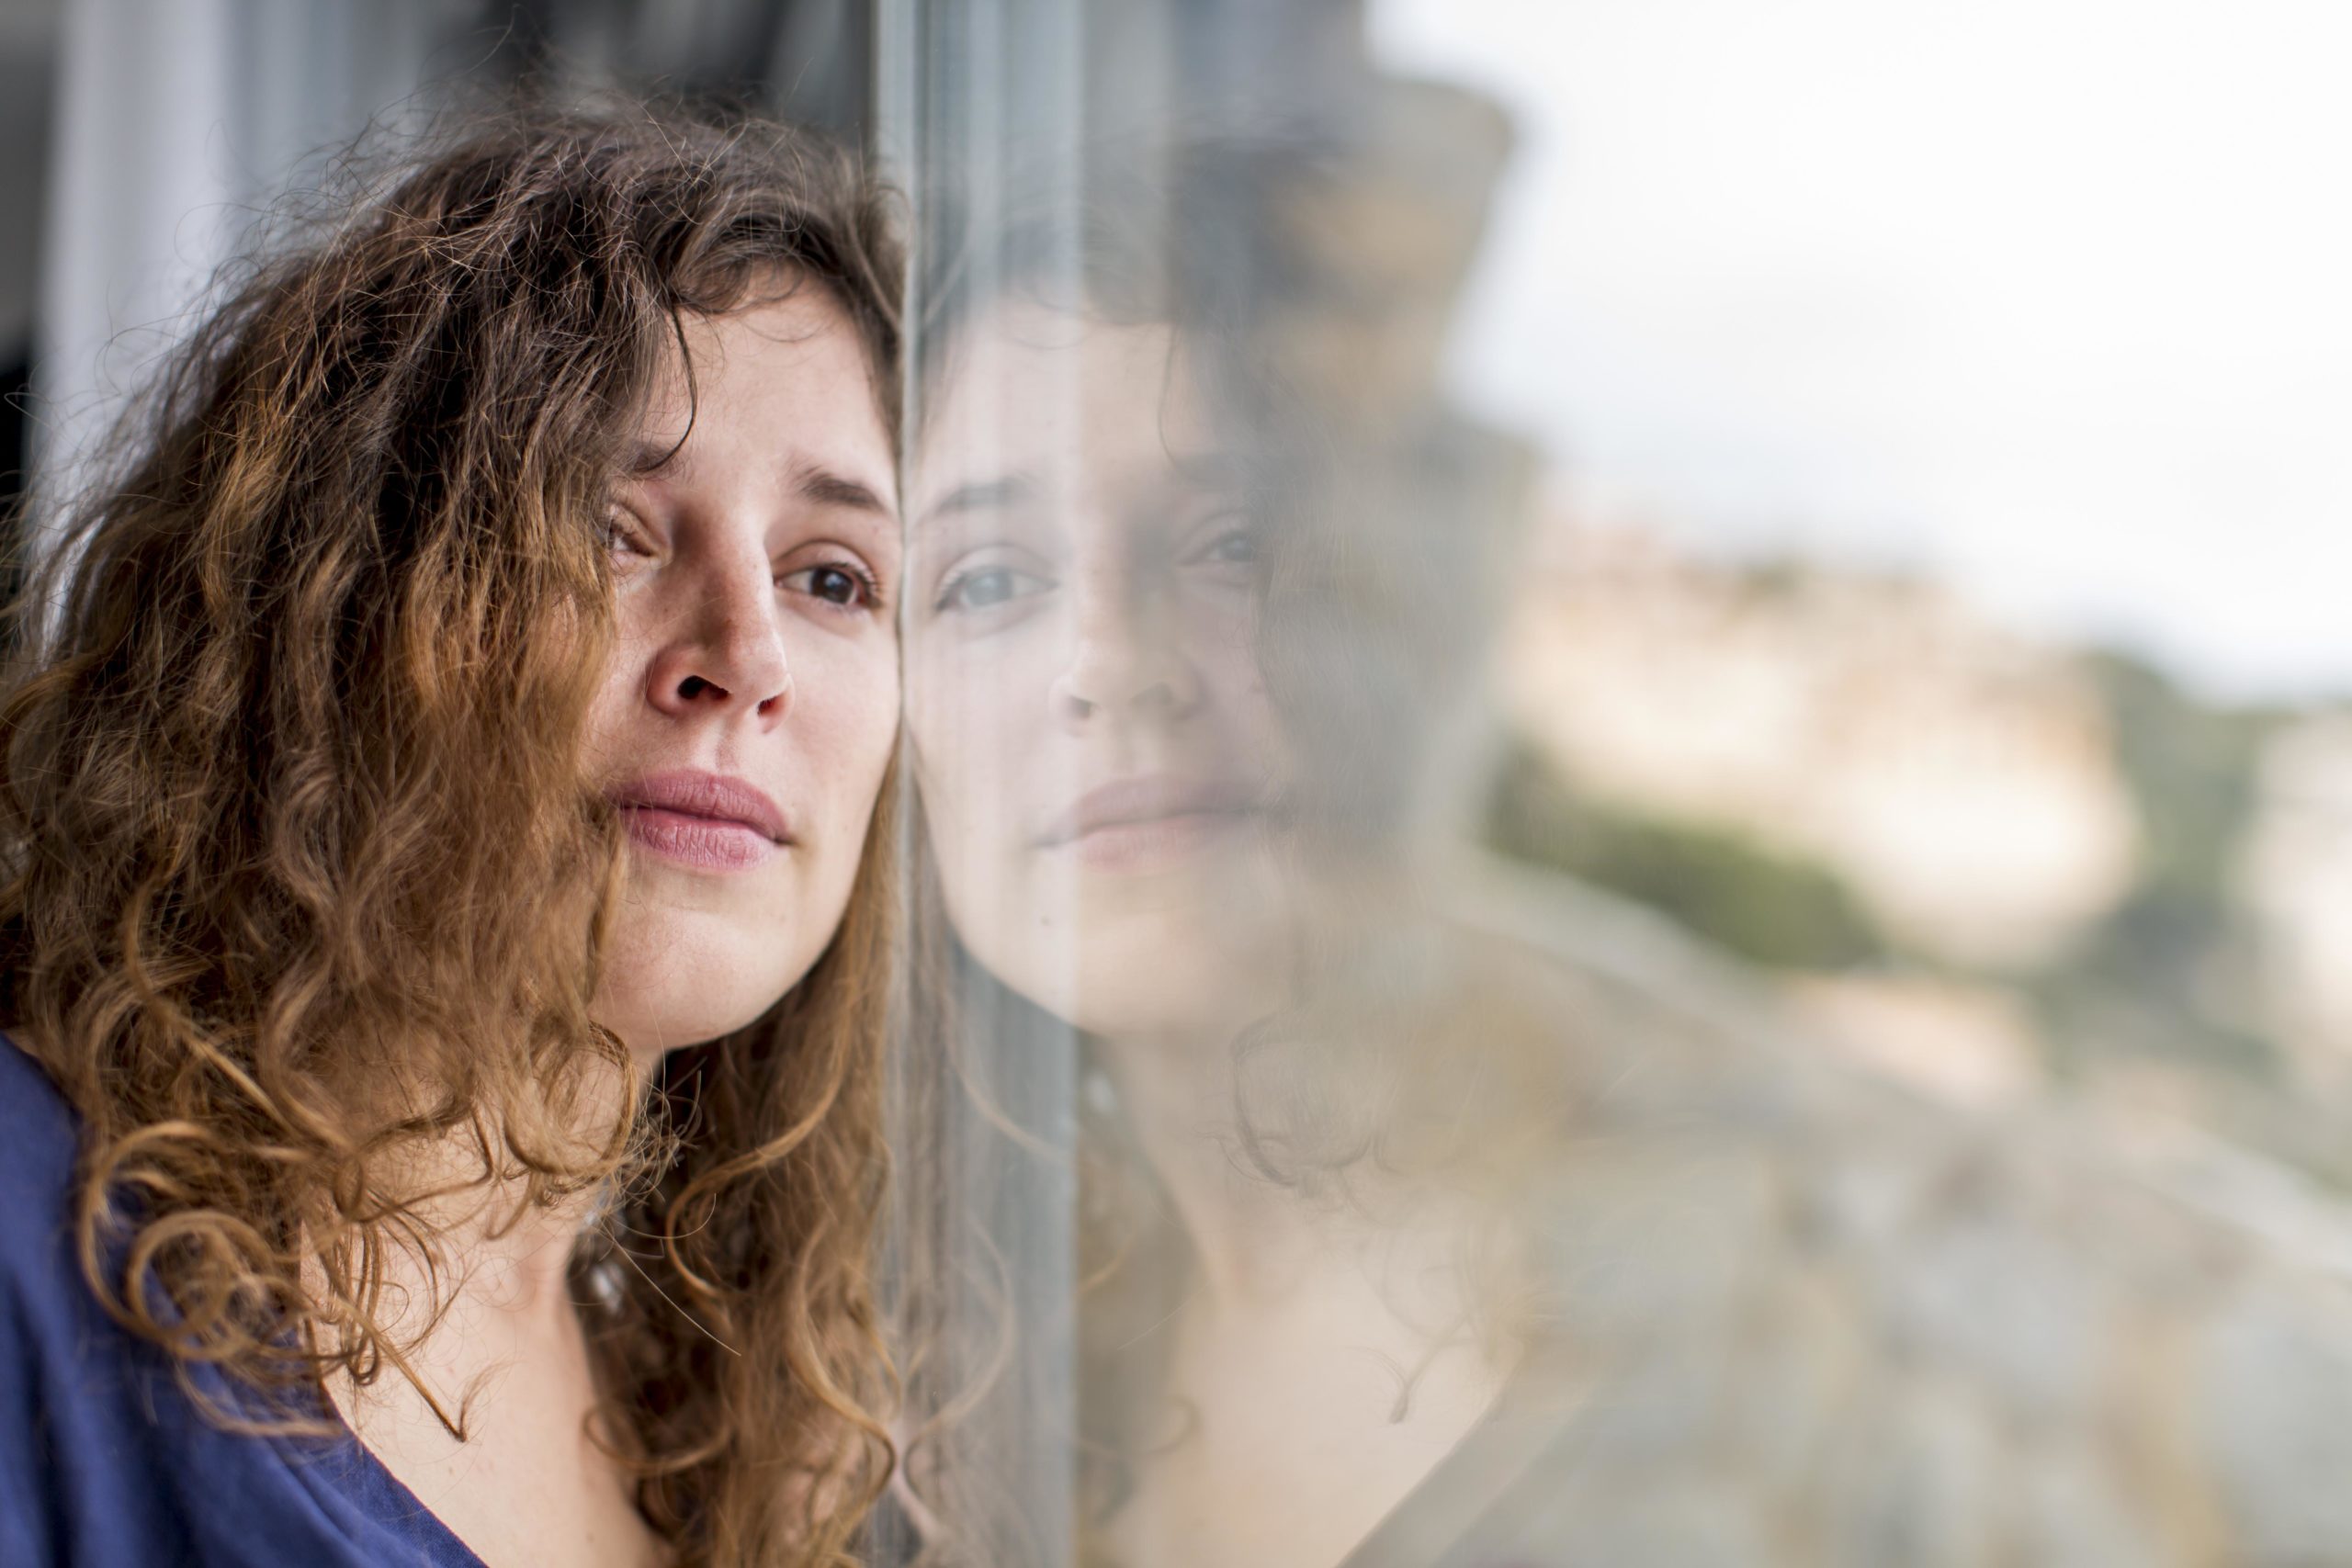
(2052, 298)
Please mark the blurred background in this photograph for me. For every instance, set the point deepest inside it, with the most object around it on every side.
(1909, 444)
(1937, 593)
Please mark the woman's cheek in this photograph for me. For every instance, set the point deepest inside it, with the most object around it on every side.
(870, 726)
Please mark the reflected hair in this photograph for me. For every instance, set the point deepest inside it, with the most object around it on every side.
(300, 872)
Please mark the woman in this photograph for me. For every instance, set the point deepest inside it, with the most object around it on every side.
(445, 907)
(1164, 658)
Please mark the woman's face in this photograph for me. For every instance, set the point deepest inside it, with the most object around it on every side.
(746, 723)
(1089, 724)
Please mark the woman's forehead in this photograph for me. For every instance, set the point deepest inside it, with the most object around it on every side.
(1036, 404)
(783, 385)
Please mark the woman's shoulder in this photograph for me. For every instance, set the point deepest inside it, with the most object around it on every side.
(46, 1312)
(39, 1142)
(105, 1456)
(31, 1107)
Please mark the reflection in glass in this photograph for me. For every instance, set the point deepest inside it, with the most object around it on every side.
(1286, 1180)
(1162, 700)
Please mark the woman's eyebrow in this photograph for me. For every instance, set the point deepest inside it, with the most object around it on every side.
(827, 488)
(1214, 469)
(647, 458)
(981, 495)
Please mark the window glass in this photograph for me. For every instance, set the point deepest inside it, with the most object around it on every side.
(1629, 784)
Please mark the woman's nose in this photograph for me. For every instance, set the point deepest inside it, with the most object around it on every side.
(727, 648)
(1127, 658)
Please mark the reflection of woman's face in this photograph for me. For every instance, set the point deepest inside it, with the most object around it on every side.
(1090, 723)
(746, 723)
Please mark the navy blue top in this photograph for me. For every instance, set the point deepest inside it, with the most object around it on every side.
(105, 1460)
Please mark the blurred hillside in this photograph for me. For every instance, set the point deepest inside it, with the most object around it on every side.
(1990, 866)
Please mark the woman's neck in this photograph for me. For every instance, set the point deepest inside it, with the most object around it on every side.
(1254, 1236)
(498, 1266)
(1266, 1244)
(493, 1417)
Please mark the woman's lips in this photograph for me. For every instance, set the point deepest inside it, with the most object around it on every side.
(1146, 823)
(705, 820)
(705, 842)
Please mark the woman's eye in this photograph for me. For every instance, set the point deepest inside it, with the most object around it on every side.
(1235, 547)
(1240, 545)
(622, 535)
(834, 583)
(989, 587)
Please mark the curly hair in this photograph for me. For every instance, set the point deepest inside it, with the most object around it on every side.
(299, 868)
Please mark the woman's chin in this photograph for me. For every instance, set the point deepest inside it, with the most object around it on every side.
(672, 977)
(1179, 991)
(656, 1019)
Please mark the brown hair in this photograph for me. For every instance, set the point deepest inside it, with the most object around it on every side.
(297, 867)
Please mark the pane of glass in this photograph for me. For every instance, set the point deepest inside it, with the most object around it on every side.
(1588, 678)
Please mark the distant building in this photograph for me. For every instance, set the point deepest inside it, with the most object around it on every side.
(1959, 777)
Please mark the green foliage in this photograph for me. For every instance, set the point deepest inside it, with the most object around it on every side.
(1769, 907)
